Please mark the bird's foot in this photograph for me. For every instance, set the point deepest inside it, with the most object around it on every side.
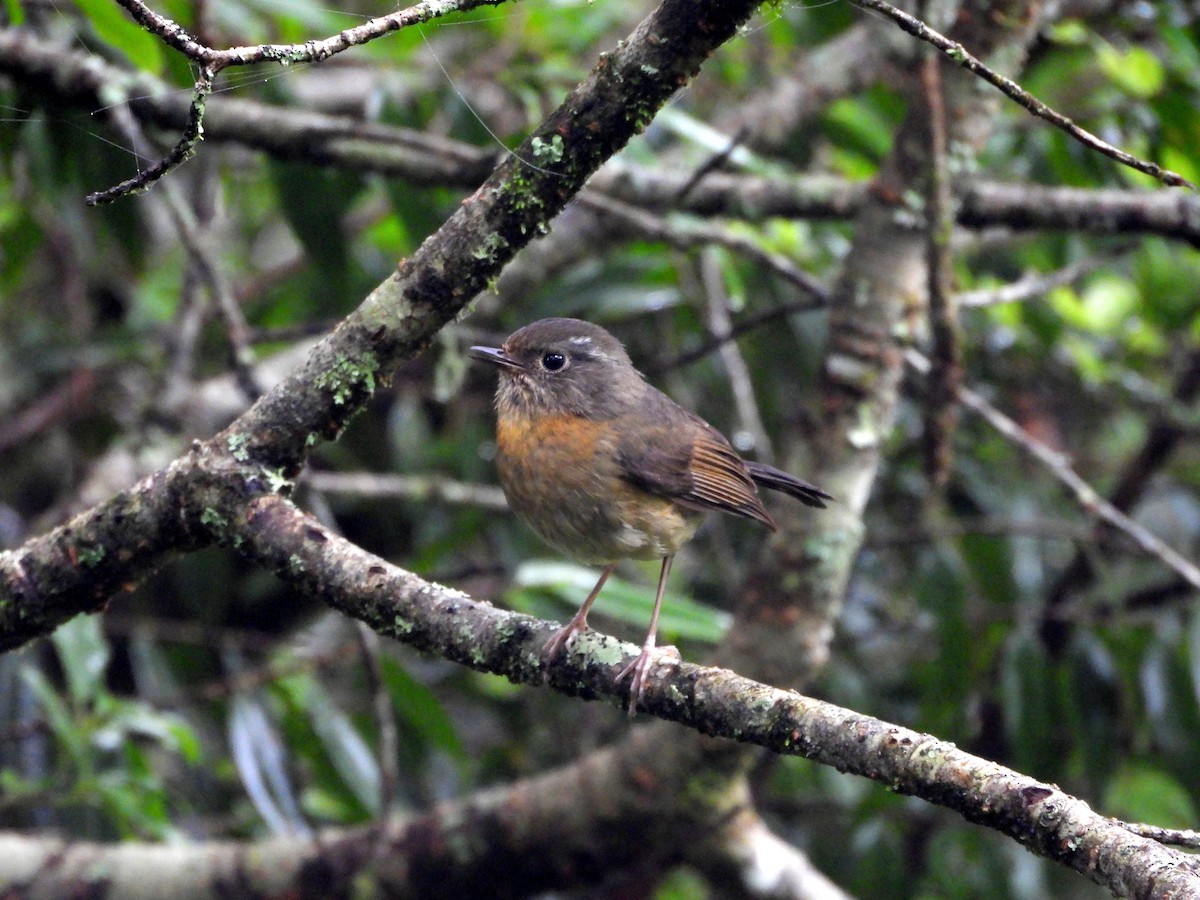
(638, 671)
(558, 643)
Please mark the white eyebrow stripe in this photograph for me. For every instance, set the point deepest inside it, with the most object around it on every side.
(580, 341)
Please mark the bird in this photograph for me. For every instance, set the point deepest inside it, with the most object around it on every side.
(604, 467)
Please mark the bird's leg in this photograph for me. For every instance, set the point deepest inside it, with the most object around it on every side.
(640, 667)
(578, 622)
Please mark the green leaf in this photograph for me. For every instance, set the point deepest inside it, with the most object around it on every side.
(115, 28)
(1032, 715)
(350, 754)
(1108, 302)
(314, 200)
(421, 710)
(1135, 70)
(62, 723)
(1140, 793)
(1071, 33)
(681, 617)
(84, 654)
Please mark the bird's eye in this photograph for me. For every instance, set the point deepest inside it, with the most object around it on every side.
(552, 362)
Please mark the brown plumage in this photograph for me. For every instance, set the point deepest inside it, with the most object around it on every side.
(605, 467)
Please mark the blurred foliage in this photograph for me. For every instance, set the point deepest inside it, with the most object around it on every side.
(213, 702)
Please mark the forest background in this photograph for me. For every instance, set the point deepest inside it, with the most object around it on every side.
(857, 259)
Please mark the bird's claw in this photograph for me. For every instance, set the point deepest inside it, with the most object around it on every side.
(638, 671)
(559, 641)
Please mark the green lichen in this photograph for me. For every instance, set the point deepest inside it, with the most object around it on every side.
(346, 376)
(277, 482)
(91, 556)
(550, 151)
(491, 245)
(604, 651)
(237, 446)
(213, 519)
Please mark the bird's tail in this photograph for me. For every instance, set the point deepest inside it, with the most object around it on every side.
(770, 477)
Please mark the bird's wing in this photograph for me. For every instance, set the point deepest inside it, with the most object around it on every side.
(676, 454)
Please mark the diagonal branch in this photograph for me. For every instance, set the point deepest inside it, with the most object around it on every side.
(191, 503)
(1058, 466)
(212, 61)
(1014, 91)
(88, 81)
(713, 701)
(175, 35)
(1160, 442)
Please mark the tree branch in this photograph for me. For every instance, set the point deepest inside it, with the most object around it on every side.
(354, 145)
(712, 701)
(1058, 466)
(211, 62)
(959, 54)
(75, 568)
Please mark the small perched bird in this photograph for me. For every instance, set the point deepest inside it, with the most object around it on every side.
(605, 467)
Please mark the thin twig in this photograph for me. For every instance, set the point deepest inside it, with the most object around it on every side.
(1034, 285)
(746, 325)
(1172, 837)
(388, 754)
(1160, 442)
(237, 330)
(408, 487)
(1058, 466)
(1014, 91)
(716, 300)
(211, 61)
(686, 236)
(207, 265)
(184, 150)
(714, 162)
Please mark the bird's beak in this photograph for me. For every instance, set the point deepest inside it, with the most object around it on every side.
(496, 356)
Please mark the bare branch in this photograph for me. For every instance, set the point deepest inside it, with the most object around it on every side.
(360, 146)
(408, 487)
(714, 701)
(212, 61)
(184, 150)
(1058, 466)
(1014, 91)
(1171, 837)
(174, 35)
(716, 300)
(1035, 284)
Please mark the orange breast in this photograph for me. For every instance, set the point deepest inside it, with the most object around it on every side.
(561, 476)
